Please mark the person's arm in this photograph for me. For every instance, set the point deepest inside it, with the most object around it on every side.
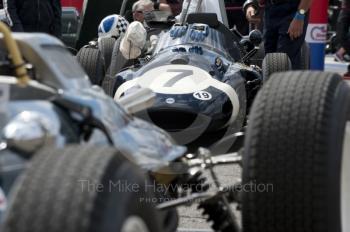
(57, 11)
(305, 5)
(164, 7)
(251, 3)
(296, 27)
(251, 10)
(12, 10)
(187, 9)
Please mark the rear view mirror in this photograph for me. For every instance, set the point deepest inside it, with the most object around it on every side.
(138, 100)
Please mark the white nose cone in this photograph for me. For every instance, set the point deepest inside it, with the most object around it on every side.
(134, 41)
(181, 80)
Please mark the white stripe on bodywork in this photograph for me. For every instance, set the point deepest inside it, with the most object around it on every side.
(188, 79)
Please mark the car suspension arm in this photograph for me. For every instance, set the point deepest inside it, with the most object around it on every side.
(230, 158)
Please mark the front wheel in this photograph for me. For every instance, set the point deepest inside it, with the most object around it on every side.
(297, 155)
(91, 60)
(106, 45)
(275, 62)
(81, 188)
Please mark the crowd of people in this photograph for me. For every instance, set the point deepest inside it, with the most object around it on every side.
(285, 21)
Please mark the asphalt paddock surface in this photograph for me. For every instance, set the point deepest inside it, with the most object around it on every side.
(191, 218)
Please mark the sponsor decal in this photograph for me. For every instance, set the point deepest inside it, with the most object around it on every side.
(316, 33)
(170, 101)
(202, 95)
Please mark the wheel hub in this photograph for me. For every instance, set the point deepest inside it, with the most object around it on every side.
(134, 224)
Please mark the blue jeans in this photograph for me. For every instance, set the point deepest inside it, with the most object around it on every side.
(277, 21)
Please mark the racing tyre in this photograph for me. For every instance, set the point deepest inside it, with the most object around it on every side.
(275, 62)
(296, 168)
(80, 189)
(106, 45)
(305, 56)
(109, 85)
(118, 61)
(92, 62)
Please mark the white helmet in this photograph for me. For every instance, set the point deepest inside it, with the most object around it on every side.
(112, 26)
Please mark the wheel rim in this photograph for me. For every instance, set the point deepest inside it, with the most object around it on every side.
(345, 182)
(134, 224)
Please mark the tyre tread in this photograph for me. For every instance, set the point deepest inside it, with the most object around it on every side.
(290, 117)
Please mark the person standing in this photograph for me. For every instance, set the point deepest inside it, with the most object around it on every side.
(175, 6)
(285, 25)
(236, 17)
(343, 27)
(141, 9)
(161, 5)
(207, 6)
(36, 16)
(144, 8)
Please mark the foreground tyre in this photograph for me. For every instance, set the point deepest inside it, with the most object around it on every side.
(275, 62)
(106, 45)
(92, 62)
(297, 155)
(80, 189)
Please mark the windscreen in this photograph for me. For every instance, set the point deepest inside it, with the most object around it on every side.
(214, 41)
